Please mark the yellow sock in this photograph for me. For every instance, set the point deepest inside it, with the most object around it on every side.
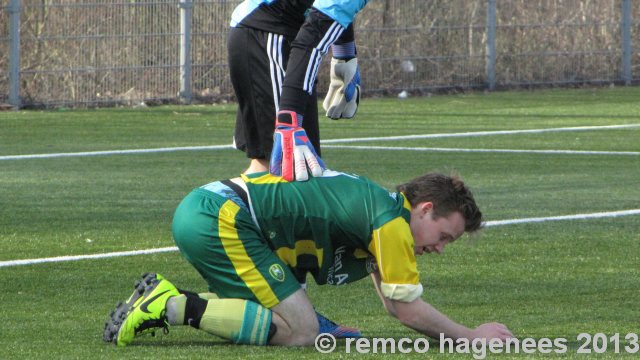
(241, 321)
(208, 296)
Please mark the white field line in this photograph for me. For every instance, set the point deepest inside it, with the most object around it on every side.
(482, 133)
(515, 151)
(115, 152)
(598, 215)
(330, 141)
(85, 257)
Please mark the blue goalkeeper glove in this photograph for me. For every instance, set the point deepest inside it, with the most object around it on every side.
(343, 96)
(292, 151)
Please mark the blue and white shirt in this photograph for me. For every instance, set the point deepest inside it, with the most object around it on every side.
(286, 16)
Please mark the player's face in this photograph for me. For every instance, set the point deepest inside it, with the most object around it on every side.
(432, 235)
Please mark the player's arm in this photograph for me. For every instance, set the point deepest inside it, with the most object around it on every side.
(314, 39)
(416, 314)
(388, 304)
(424, 318)
(419, 315)
(398, 283)
(325, 23)
(292, 151)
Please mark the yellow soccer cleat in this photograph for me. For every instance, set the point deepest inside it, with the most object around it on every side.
(113, 323)
(142, 313)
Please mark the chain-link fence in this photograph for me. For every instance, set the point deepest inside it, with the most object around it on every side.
(88, 53)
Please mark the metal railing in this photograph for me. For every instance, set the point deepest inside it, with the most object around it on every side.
(92, 53)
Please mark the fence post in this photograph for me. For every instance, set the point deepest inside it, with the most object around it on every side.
(186, 7)
(14, 53)
(491, 45)
(626, 41)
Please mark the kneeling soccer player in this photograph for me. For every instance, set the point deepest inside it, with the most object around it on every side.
(253, 238)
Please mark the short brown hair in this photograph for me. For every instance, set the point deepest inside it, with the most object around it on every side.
(448, 195)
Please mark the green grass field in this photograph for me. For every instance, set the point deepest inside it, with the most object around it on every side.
(548, 279)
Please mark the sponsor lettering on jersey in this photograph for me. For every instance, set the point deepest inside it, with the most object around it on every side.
(333, 275)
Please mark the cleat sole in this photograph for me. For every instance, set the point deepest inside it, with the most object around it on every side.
(119, 314)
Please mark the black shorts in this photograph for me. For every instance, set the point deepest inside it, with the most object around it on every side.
(257, 64)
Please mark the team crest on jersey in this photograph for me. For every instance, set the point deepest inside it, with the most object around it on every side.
(276, 272)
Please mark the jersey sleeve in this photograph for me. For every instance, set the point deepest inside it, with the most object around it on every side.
(342, 11)
(348, 35)
(393, 247)
(312, 42)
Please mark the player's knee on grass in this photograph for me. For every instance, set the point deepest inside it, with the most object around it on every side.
(295, 320)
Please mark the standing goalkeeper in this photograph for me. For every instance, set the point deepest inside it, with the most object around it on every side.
(275, 49)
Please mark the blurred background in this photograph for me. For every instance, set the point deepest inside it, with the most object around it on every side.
(125, 52)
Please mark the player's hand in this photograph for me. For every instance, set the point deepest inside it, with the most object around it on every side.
(491, 331)
(292, 151)
(343, 97)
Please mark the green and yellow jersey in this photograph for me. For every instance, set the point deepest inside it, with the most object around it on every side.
(338, 227)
